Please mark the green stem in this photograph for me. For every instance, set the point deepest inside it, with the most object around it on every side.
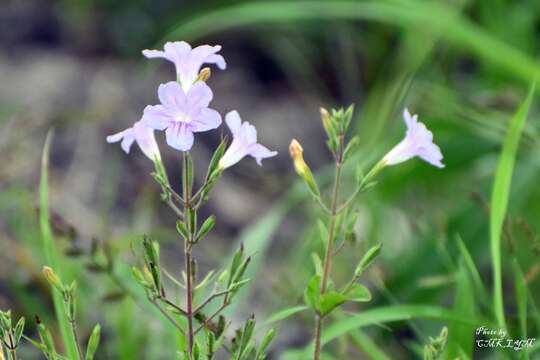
(187, 251)
(76, 339)
(329, 248)
(13, 354)
(365, 181)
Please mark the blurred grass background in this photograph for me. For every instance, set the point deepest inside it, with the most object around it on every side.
(464, 66)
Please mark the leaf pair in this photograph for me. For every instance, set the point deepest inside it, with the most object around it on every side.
(325, 303)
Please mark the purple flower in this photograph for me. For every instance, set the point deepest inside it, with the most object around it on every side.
(244, 142)
(144, 137)
(188, 61)
(181, 114)
(417, 142)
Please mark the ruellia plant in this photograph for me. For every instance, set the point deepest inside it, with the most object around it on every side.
(339, 216)
(11, 335)
(183, 111)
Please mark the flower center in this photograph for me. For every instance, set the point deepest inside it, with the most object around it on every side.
(182, 118)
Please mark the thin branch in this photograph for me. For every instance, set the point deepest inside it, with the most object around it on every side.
(210, 298)
(173, 305)
(168, 316)
(207, 320)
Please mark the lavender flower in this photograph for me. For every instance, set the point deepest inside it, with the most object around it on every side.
(244, 142)
(188, 61)
(418, 141)
(144, 137)
(182, 113)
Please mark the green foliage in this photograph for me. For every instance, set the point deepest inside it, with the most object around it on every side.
(500, 196)
(51, 253)
(434, 349)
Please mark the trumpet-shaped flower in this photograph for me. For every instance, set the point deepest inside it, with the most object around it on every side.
(418, 141)
(244, 142)
(143, 135)
(188, 61)
(182, 113)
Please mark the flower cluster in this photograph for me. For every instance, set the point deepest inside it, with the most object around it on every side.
(321, 293)
(184, 109)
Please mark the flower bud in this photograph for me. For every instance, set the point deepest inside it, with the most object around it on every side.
(325, 117)
(204, 74)
(296, 151)
(52, 278)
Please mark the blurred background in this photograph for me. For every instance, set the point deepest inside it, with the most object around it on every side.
(75, 66)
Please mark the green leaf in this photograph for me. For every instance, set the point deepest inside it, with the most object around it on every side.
(459, 338)
(392, 313)
(521, 299)
(454, 29)
(312, 292)
(235, 263)
(285, 313)
(329, 301)
(213, 166)
(93, 342)
(358, 293)
(500, 196)
(206, 227)
(473, 270)
(47, 339)
(323, 232)
(19, 329)
(187, 174)
(317, 263)
(196, 355)
(52, 254)
(182, 229)
(368, 258)
(267, 339)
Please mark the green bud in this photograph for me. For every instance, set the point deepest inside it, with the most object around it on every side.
(52, 278)
(93, 342)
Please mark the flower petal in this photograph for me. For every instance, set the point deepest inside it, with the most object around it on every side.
(207, 54)
(151, 54)
(207, 119)
(172, 96)
(410, 120)
(146, 140)
(179, 137)
(117, 137)
(233, 122)
(156, 117)
(127, 137)
(199, 96)
(260, 152)
(431, 154)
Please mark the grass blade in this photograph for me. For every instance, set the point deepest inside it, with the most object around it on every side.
(473, 271)
(407, 14)
(521, 301)
(459, 334)
(51, 253)
(285, 313)
(499, 200)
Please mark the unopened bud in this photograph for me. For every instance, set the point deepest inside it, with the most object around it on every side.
(297, 154)
(52, 278)
(325, 117)
(204, 74)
